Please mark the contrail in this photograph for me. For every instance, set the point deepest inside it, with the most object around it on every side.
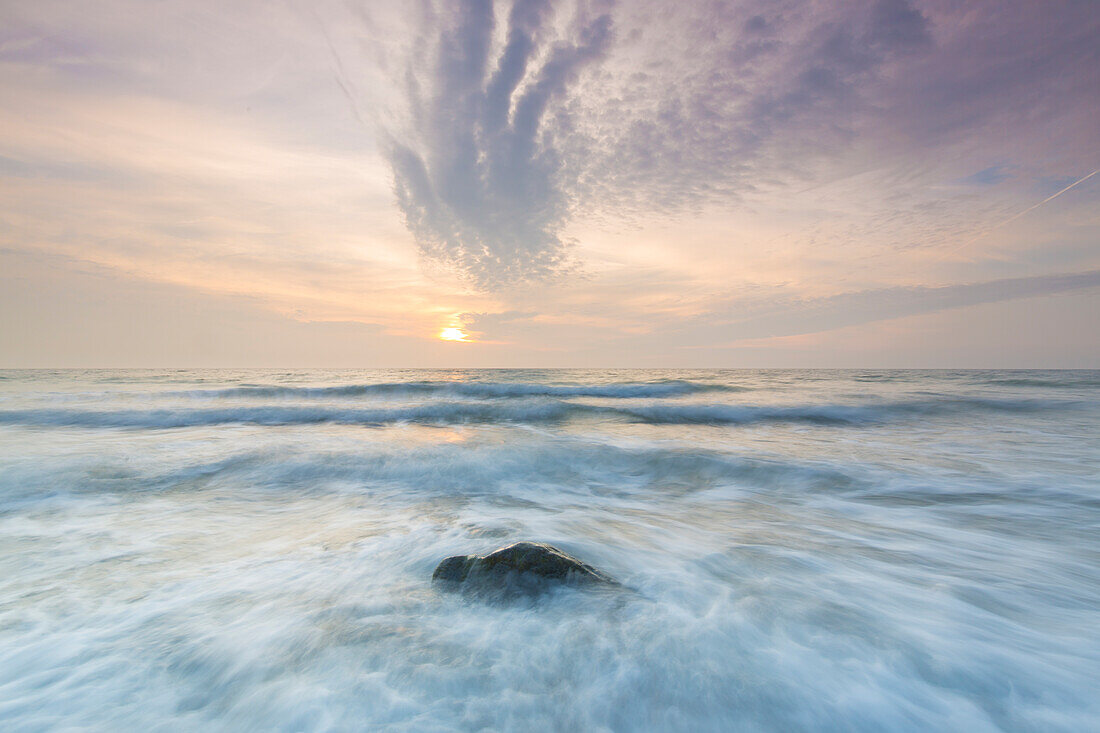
(1048, 198)
(340, 75)
(1028, 210)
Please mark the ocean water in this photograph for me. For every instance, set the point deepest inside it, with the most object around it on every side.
(802, 550)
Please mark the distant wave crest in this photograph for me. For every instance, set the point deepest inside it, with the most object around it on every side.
(523, 412)
(1063, 382)
(626, 390)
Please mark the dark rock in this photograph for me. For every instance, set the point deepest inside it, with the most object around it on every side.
(525, 568)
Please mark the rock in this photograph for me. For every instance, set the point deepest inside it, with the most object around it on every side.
(525, 568)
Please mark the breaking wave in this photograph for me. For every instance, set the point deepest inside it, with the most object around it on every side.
(524, 412)
(485, 390)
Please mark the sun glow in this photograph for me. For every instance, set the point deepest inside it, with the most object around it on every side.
(454, 334)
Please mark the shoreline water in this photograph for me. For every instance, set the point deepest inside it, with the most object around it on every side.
(244, 549)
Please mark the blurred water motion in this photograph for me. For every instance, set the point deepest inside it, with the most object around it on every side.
(252, 550)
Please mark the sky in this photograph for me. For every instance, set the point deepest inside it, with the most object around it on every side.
(779, 183)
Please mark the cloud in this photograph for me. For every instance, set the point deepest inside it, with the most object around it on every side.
(528, 116)
(512, 136)
(479, 184)
(827, 314)
(990, 176)
(724, 101)
(758, 314)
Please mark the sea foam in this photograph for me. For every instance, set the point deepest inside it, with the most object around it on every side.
(803, 550)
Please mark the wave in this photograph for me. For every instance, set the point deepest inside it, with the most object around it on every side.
(626, 390)
(1065, 382)
(523, 412)
(538, 469)
(826, 415)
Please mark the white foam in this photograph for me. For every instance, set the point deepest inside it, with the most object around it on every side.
(929, 569)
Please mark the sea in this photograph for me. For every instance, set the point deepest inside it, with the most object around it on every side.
(252, 550)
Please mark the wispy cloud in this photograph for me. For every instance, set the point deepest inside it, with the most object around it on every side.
(797, 317)
(527, 115)
(581, 110)
(480, 178)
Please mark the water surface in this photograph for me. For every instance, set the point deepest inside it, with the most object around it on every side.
(252, 549)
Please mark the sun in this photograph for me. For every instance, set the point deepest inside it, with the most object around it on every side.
(454, 334)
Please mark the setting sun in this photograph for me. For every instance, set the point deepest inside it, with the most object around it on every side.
(454, 334)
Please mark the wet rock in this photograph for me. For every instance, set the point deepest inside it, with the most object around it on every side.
(525, 568)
